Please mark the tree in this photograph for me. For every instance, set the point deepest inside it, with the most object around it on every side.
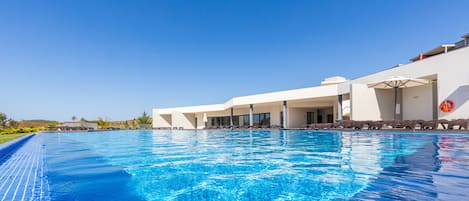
(3, 119)
(82, 122)
(126, 125)
(102, 123)
(12, 123)
(134, 123)
(144, 119)
(74, 118)
(52, 123)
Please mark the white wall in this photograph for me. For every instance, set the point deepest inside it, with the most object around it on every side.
(452, 70)
(417, 103)
(275, 116)
(161, 121)
(186, 121)
(296, 117)
(200, 120)
(371, 104)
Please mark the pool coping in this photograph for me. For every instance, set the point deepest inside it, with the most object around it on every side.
(5, 146)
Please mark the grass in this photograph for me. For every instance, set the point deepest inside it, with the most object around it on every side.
(8, 134)
(9, 137)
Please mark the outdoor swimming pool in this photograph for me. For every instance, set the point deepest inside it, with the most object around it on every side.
(246, 165)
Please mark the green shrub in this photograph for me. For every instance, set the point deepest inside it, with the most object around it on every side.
(8, 131)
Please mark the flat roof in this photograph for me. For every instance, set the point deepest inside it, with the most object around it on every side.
(278, 96)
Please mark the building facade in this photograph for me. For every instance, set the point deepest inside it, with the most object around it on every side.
(445, 67)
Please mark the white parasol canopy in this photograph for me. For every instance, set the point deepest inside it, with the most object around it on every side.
(205, 119)
(396, 82)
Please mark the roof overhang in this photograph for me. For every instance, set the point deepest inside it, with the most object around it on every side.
(280, 96)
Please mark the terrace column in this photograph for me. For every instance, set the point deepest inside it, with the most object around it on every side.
(251, 118)
(339, 108)
(284, 117)
(231, 118)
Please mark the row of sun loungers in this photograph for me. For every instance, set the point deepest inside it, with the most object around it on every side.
(242, 127)
(460, 124)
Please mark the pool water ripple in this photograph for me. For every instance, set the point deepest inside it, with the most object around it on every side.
(257, 165)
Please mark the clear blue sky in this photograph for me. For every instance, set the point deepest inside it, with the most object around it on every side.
(115, 59)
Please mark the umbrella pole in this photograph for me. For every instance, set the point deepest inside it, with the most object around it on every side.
(395, 103)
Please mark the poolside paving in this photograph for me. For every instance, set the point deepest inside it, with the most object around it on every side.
(22, 173)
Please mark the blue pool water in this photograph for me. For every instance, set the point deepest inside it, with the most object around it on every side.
(255, 165)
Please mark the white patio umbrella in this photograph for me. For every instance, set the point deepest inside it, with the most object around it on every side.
(396, 82)
(205, 119)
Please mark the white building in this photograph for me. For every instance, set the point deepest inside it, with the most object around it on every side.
(446, 68)
(79, 125)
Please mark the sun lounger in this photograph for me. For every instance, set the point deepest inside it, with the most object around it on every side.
(313, 126)
(336, 125)
(375, 125)
(409, 124)
(403, 124)
(434, 124)
(344, 124)
(459, 123)
(396, 124)
(325, 125)
(358, 125)
(464, 124)
(454, 123)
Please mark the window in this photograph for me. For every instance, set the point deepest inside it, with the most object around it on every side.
(264, 119)
(330, 118)
(236, 120)
(246, 119)
(309, 117)
(241, 120)
(256, 119)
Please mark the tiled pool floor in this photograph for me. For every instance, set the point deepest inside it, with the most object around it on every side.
(22, 174)
(235, 165)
